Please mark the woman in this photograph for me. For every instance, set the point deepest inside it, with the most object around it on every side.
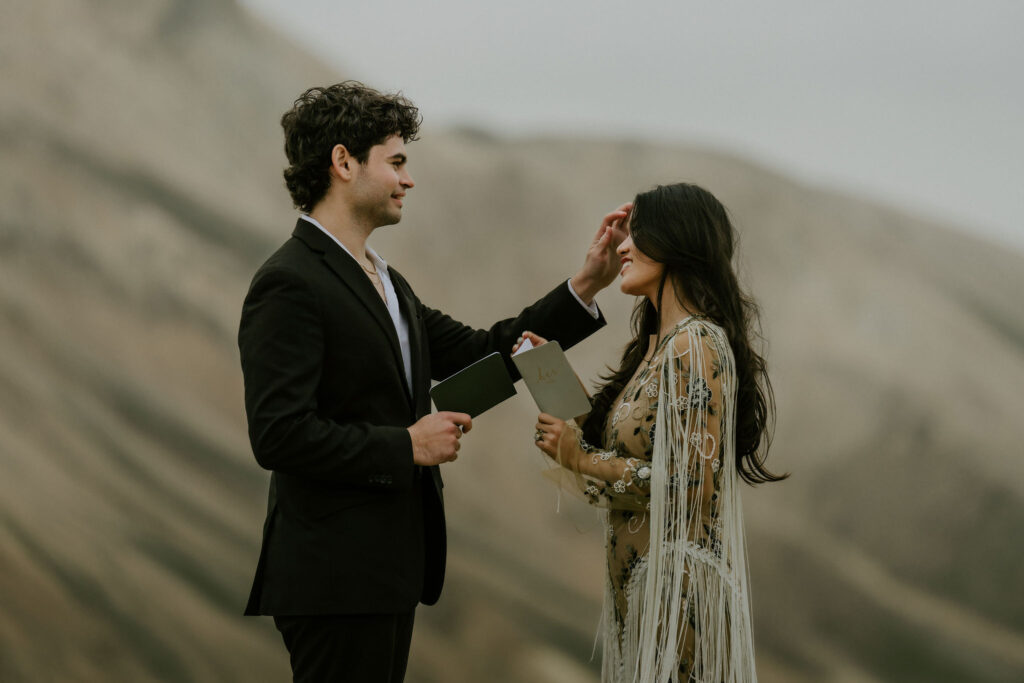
(686, 415)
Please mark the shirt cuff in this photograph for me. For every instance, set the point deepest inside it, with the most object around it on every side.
(591, 309)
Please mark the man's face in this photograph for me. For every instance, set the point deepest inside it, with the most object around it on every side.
(381, 183)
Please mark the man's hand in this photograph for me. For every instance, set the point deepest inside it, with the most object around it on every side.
(602, 264)
(535, 340)
(435, 438)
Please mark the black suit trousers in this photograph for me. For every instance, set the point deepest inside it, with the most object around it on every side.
(360, 648)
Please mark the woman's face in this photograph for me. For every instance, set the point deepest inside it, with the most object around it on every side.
(640, 274)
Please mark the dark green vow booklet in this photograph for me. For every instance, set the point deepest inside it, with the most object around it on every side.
(476, 388)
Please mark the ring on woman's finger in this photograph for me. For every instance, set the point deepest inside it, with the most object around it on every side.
(538, 435)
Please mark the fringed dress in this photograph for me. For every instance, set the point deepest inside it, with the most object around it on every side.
(677, 599)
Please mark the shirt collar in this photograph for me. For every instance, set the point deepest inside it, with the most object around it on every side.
(374, 256)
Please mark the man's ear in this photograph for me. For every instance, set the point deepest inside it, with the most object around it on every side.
(342, 162)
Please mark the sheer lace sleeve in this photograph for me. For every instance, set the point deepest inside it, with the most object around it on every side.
(695, 598)
(605, 479)
(613, 481)
(692, 420)
(620, 477)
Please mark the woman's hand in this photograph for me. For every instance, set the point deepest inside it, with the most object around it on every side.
(558, 442)
(602, 263)
(535, 339)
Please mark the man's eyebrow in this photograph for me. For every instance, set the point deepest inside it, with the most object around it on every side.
(398, 157)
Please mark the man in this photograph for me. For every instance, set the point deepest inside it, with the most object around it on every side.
(338, 354)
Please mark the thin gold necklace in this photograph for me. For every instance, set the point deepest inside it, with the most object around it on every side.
(379, 286)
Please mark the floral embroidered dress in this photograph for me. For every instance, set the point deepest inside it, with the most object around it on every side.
(676, 609)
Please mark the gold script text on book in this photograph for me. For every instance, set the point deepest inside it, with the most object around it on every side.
(546, 377)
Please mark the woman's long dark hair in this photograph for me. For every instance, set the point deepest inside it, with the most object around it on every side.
(687, 230)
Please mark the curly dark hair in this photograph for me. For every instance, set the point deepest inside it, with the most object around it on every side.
(687, 229)
(350, 114)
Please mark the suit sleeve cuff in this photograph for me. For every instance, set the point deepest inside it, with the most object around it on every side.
(396, 469)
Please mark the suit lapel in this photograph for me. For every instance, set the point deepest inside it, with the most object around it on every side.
(349, 272)
(420, 363)
(407, 305)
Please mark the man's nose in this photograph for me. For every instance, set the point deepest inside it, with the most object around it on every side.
(407, 181)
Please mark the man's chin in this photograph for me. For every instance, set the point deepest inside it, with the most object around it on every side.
(389, 219)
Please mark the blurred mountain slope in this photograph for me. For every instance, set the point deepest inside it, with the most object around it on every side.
(139, 189)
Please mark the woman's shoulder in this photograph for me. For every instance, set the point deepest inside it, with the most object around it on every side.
(696, 330)
(698, 344)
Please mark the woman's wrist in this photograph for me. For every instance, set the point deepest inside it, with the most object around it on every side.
(578, 458)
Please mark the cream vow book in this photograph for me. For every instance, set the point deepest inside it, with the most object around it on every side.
(551, 380)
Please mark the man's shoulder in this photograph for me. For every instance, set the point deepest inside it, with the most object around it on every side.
(292, 255)
(291, 265)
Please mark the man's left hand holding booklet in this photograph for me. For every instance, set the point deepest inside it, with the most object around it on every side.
(476, 388)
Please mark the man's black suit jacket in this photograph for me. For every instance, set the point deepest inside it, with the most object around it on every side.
(353, 526)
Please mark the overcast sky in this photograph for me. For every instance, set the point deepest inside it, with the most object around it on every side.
(916, 103)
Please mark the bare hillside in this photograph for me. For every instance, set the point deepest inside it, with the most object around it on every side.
(140, 187)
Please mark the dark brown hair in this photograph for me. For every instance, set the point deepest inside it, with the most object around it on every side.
(349, 114)
(685, 228)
